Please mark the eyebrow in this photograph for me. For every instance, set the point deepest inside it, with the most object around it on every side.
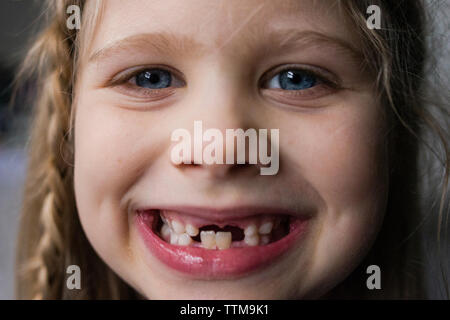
(159, 42)
(293, 38)
(165, 43)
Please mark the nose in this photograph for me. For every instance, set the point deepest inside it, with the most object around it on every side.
(216, 153)
(219, 109)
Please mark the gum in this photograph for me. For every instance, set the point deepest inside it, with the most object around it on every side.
(240, 223)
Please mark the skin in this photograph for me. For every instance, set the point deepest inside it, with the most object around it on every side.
(333, 156)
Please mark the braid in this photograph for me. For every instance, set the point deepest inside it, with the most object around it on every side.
(48, 185)
(50, 249)
(52, 238)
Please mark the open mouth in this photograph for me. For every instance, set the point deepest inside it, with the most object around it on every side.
(261, 230)
(218, 245)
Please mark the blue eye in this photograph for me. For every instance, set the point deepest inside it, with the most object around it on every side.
(293, 80)
(154, 79)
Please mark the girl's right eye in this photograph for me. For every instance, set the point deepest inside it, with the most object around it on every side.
(152, 83)
(153, 79)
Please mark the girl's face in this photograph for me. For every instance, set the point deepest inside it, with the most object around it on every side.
(152, 67)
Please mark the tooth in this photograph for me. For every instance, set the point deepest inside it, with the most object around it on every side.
(173, 237)
(165, 232)
(250, 230)
(184, 239)
(223, 240)
(252, 240)
(265, 239)
(266, 227)
(191, 230)
(208, 239)
(178, 227)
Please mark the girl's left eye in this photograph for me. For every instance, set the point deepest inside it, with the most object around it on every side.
(292, 79)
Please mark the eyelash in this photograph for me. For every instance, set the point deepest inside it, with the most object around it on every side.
(323, 76)
(324, 79)
(124, 79)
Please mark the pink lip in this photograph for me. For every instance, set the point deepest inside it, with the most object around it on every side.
(216, 264)
(225, 215)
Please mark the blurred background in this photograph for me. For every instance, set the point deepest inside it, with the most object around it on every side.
(19, 21)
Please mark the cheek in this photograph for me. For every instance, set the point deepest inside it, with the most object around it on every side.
(343, 156)
(355, 181)
(346, 156)
(110, 146)
(97, 154)
(342, 153)
(99, 150)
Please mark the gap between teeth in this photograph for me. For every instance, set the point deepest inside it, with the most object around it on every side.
(176, 233)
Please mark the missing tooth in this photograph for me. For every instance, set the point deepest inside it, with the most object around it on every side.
(237, 234)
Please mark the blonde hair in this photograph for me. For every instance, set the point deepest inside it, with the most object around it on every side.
(51, 237)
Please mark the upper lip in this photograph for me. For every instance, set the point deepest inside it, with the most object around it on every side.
(227, 213)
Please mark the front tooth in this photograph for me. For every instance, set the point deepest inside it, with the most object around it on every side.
(173, 237)
(252, 240)
(266, 227)
(165, 232)
(184, 239)
(265, 239)
(208, 239)
(178, 227)
(191, 230)
(223, 239)
(250, 230)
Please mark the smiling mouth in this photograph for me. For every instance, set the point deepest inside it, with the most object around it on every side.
(212, 244)
(177, 229)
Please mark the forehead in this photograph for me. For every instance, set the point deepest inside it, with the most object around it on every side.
(218, 24)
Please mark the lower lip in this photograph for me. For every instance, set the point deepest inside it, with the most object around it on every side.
(215, 264)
